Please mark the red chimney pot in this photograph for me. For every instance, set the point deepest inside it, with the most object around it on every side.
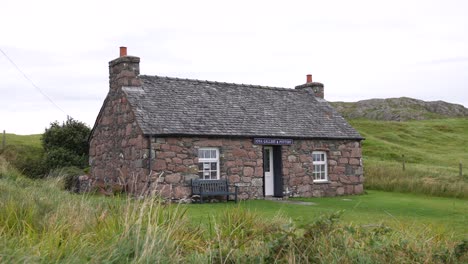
(123, 51)
(309, 78)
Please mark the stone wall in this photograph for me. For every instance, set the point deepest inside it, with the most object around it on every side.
(118, 150)
(123, 156)
(176, 163)
(345, 173)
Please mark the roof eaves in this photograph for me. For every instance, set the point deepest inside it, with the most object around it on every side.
(248, 136)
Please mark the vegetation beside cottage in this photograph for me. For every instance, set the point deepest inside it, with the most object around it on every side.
(41, 224)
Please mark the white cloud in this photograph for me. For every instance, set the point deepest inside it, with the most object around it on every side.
(358, 49)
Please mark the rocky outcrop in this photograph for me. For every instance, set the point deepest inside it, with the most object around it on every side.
(399, 109)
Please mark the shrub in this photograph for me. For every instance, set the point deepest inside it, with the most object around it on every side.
(71, 135)
(66, 144)
(60, 157)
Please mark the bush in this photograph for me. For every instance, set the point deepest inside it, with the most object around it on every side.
(66, 144)
(60, 157)
(71, 135)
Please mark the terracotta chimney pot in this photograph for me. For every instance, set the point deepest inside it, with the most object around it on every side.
(123, 51)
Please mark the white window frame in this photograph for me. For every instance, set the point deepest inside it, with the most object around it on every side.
(203, 160)
(318, 163)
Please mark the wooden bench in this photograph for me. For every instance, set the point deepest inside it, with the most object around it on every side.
(205, 188)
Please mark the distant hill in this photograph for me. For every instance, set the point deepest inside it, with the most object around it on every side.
(399, 109)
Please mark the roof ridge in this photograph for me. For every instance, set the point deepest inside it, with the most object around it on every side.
(227, 83)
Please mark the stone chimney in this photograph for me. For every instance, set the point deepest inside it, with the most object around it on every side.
(315, 88)
(124, 71)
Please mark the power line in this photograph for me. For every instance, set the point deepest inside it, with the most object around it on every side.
(32, 83)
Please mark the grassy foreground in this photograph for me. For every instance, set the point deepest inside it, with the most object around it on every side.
(39, 223)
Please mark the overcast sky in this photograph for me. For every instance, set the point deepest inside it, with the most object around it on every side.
(358, 49)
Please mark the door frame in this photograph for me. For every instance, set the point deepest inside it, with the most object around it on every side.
(277, 164)
(271, 168)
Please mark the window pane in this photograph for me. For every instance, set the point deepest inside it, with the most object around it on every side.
(208, 159)
(200, 175)
(266, 160)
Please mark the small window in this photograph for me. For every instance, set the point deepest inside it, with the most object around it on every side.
(208, 163)
(320, 166)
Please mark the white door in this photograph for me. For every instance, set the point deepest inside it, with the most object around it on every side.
(268, 170)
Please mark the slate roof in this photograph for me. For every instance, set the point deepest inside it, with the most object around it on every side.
(171, 106)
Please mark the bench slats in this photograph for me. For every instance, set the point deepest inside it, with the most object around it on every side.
(212, 188)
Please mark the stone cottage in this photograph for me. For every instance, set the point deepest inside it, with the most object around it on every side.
(157, 133)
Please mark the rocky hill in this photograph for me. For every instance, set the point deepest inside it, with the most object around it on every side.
(399, 109)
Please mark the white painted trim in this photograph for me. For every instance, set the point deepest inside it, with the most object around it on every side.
(324, 162)
(201, 160)
(270, 175)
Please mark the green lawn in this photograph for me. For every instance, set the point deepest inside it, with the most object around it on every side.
(436, 215)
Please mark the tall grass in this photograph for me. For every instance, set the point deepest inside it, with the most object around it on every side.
(430, 180)
(39, 223)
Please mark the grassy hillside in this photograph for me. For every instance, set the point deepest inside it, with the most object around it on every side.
(24, 152)
(25, 140)
(440, 142)
(432, 149)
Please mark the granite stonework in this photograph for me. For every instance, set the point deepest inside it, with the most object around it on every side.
(345, 172)
(174, 163)
(117, 148)
(241, 162)
(117, 145)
